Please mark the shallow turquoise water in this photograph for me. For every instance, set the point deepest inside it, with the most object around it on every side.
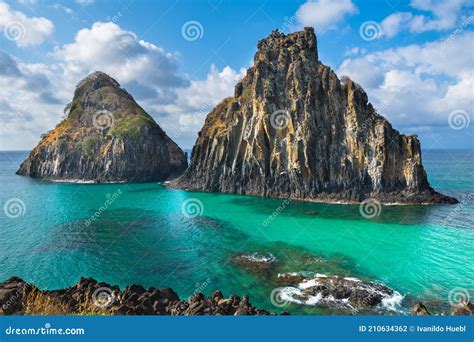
(144, 237)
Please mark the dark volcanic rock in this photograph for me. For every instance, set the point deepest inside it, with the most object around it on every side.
(465, 308)
(340, 292)
(419, 310)
(294, 129)
(106, 137)
(255, 263)
(91, 297)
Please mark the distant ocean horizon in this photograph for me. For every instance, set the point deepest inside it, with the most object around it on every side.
(143, 237)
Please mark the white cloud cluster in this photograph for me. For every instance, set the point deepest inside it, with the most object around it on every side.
(324, 14)
(442, 15)
(28, 103)
(147, 71)
(417, 85)
(84, 2)
(193, 103)
(23, 30)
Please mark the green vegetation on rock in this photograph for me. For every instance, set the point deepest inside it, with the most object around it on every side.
(130, 126)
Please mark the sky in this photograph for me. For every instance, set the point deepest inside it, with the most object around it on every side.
(180, 58)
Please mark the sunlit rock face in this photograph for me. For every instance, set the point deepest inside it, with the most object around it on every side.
(294, 129)
(105, 137)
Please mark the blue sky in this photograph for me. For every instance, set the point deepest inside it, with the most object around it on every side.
(414, 58)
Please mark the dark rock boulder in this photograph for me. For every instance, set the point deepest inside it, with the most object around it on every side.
(91, 297)
(420, 310)
(339, 292)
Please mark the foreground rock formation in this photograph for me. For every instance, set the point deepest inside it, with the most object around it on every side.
(106, 137)
(294, 129)
(89, 297)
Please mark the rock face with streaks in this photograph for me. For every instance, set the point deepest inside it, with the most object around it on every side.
(106, 137)
(294, 129)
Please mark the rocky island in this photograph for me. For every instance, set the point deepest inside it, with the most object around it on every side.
(293, 129)
(106, 137)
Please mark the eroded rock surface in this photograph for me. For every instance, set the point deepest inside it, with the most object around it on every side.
(105, 137)
(339, 292)
(88, 296)
(294, 129)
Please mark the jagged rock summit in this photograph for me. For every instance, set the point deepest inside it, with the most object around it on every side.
(105, 137)
(294, 129)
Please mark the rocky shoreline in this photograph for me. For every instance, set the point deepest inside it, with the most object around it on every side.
(89, 297)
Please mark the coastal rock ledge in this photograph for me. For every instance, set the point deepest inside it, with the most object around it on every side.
(89, 297)
(293, 129)
(106, 137)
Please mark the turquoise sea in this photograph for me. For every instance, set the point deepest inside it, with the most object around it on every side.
(147, 234)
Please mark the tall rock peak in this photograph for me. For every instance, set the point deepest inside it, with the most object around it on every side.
(105, 137)
(294, 129)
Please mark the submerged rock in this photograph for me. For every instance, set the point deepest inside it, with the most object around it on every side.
(255, 262)
(293, 129)
(89, 297)
(105, 137)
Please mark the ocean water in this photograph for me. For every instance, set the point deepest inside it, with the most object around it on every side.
(150, 235)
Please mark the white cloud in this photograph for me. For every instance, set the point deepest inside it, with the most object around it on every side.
(196, 101)
(441, 16)
(61, 7)
(23, 30)
(145, 67)
(84, 2)
(417, 85)
(394, 23)
(28, 103)
(147, 71)
(324, 14)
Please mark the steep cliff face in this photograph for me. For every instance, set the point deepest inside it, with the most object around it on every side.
(294, 129)
(106, 137)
